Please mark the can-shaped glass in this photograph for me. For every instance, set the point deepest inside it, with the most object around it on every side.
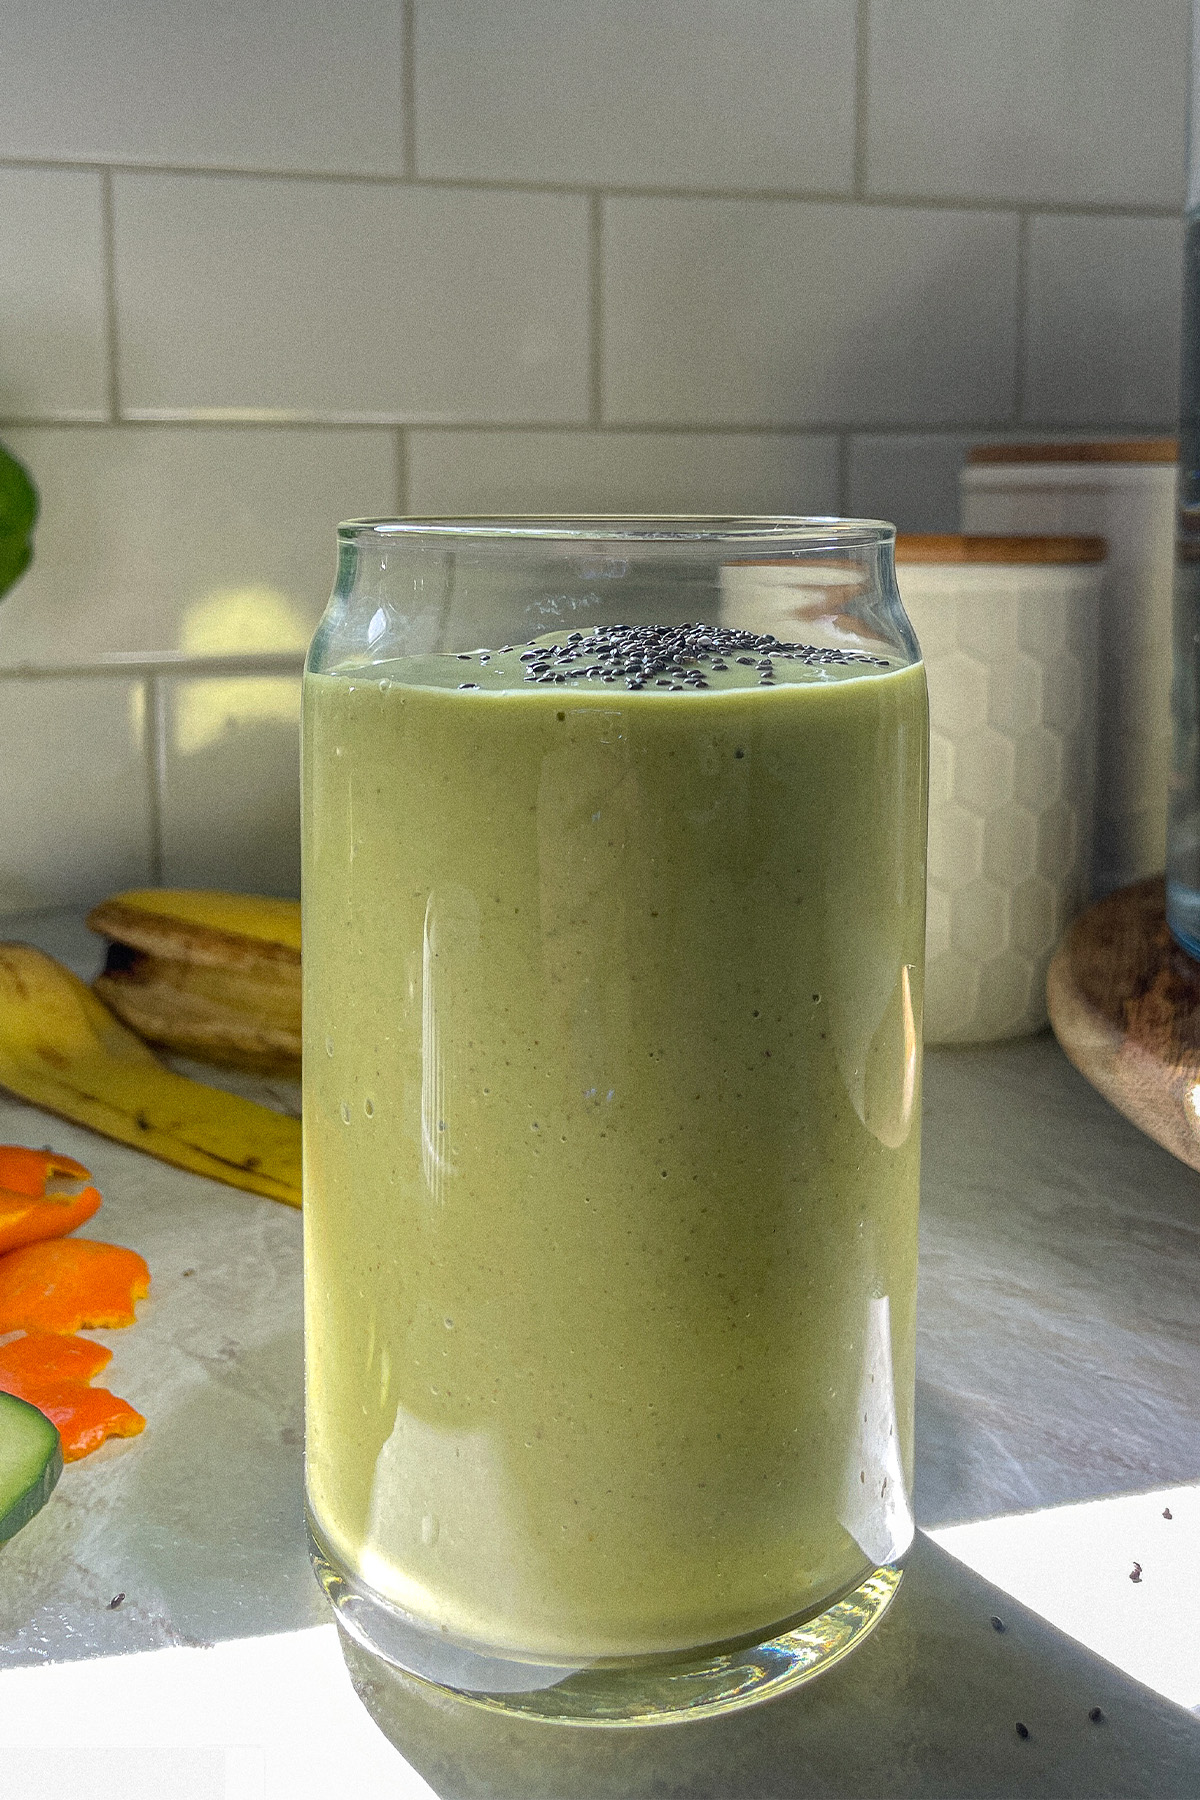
(614, 915)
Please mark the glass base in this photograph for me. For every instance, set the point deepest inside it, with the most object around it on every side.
(648, 1690)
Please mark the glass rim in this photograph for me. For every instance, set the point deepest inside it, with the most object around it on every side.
(771, 531)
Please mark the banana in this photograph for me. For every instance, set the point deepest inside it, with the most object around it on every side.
(211, 975)
(62, 1049)
(203, 925)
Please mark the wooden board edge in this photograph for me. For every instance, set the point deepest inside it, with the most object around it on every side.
(1120, 1071)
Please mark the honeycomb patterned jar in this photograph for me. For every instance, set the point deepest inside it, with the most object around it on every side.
(1008, 627)
(1124, 489)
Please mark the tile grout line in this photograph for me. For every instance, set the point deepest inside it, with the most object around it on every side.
(409, 89)
(1021, 340)
(1058, 431)
(843, 474)
(250, 419)
(982, 203)
(862, 38)
(156, 754)
(403, 472)
(149, 667)
(109, 253)
(596, 309)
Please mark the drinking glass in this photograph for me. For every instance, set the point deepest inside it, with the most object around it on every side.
(614, 916)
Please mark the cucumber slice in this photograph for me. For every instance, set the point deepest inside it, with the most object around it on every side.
(30, 1463)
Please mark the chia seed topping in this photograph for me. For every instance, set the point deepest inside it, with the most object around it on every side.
(675, 657)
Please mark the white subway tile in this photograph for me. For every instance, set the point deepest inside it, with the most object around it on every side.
(1028, 100)
(76, 791)
(53, 336)
(908, 478)
(771, 312)
(230, 760)
(717, 93)
(279, 84)
(911, 478)
(348, 301)
(1103, 315)
(198, 540)
(619, 471)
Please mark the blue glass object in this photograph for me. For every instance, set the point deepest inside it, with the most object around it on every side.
(1183, 802)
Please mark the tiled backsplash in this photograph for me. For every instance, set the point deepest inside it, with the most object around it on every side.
(269, 265)
(149, 770)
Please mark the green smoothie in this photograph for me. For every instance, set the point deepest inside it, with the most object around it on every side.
(611, 1121)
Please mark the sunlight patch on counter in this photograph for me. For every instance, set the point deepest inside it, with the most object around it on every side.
(1117, 1575)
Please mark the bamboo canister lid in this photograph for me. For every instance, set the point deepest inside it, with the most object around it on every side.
(954, 547)
(1100, 450)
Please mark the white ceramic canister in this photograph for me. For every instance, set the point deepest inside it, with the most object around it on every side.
(1124, 491)
(1007, 626)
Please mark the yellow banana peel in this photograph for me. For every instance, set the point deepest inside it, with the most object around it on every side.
(212, 975)
(62, 1049)
(203, 925)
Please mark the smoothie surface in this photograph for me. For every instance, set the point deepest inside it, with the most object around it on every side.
(636, 659)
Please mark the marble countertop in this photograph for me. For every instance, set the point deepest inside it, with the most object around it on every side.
(1059, 1361)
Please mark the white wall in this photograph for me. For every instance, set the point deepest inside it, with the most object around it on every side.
(268, 263)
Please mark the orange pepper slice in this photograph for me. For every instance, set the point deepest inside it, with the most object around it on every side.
(30, 1213)
(68, 1283)
(53, 1373)
(25, 1221)
(30, 1172)
(84, 1415)
(49, 1356)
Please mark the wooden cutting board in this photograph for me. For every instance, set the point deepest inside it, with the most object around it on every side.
(1124, 1002)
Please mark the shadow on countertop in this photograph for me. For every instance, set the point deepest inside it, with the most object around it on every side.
(929, 1706)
